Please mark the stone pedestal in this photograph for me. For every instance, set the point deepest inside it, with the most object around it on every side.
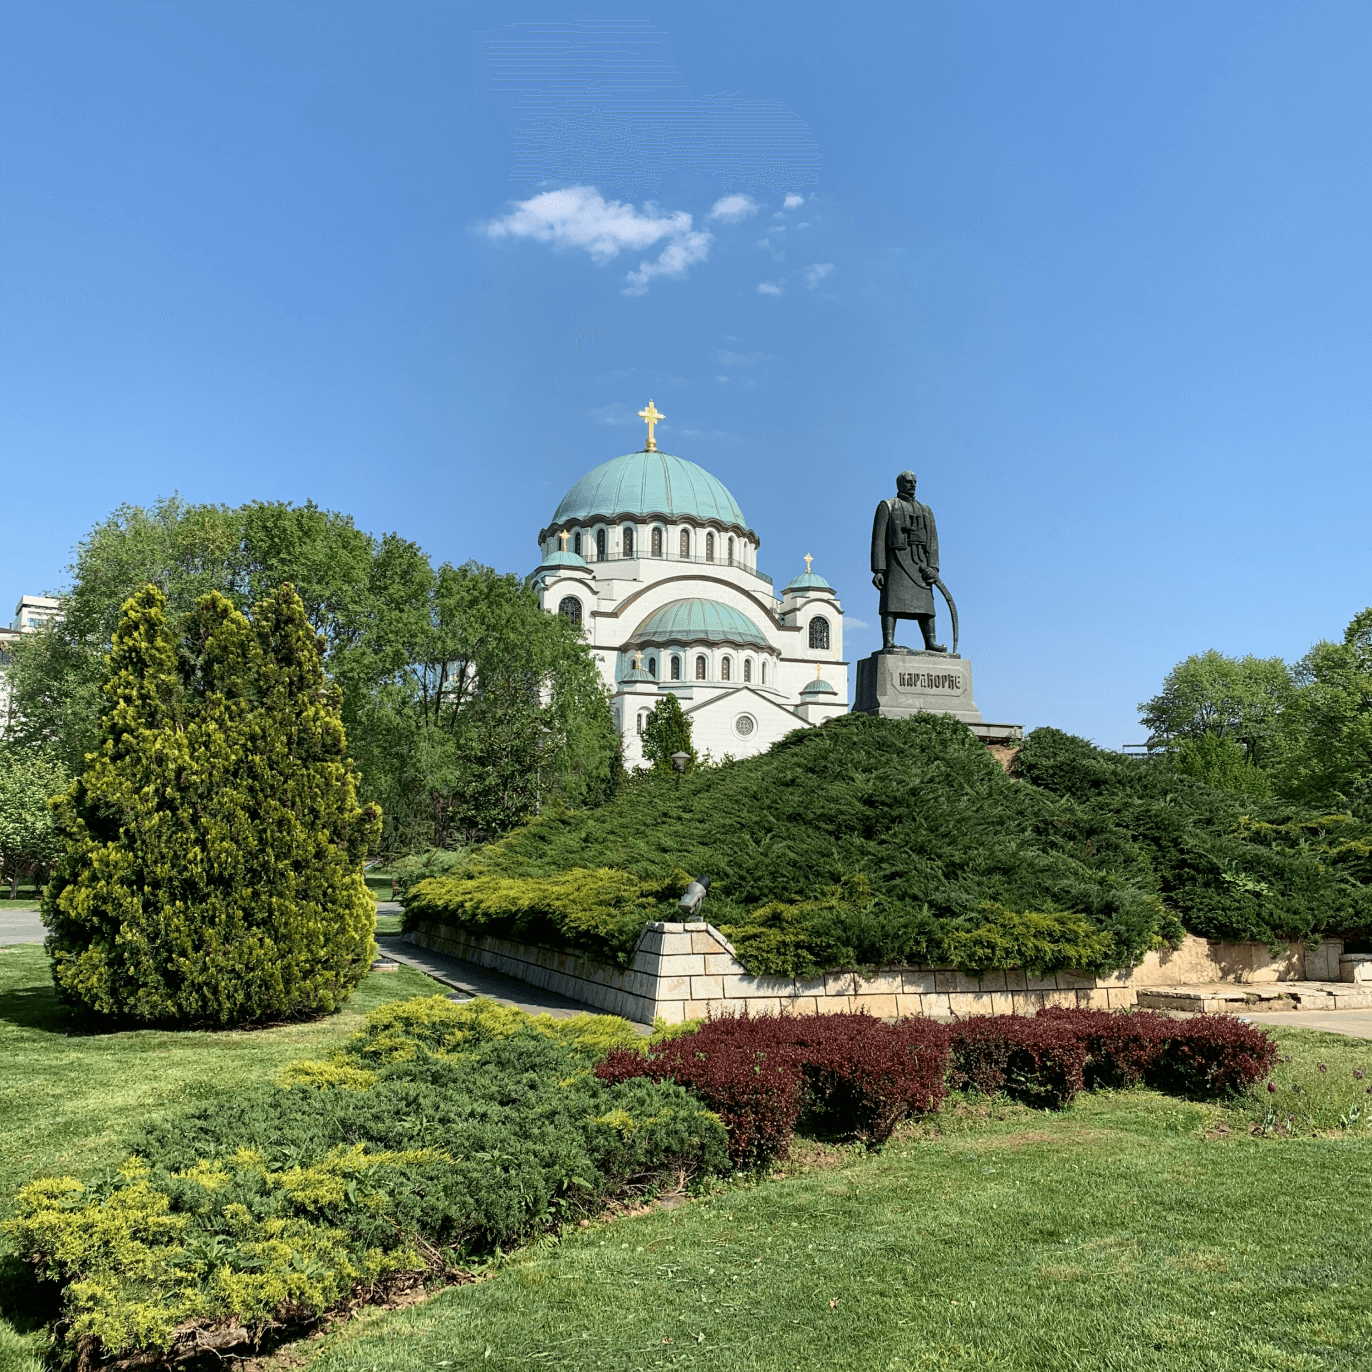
(905, 682)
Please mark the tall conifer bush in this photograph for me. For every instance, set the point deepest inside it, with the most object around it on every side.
(212, 849)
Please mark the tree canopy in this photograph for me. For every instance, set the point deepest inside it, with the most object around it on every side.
(464, 703)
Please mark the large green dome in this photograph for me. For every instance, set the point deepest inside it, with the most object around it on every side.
(650, 483)
(698, 621)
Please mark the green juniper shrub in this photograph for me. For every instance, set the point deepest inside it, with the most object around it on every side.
(273, 1206)
(1232, 866)
(862, 842)
(211, 866)
(433, 862)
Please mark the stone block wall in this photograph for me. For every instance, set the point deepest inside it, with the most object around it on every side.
(686, 971)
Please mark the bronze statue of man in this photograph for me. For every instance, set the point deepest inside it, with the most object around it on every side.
(905, 563)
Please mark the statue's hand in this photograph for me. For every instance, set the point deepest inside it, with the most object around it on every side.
(879, 580)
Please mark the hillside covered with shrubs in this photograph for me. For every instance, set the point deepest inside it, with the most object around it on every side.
(872, 841)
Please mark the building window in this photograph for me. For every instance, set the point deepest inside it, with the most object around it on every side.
(700, 667)
(819, 632)
(629, 542)
(709, 547)
(641, 717)
(576, 544)
(764, 673)
(747, 669)
(569, 607)
(652, 668)
(676, 668)
(731, 551)
(657, 542)
(726, 669)
(685, 543)
(600, 545)
(744, 725)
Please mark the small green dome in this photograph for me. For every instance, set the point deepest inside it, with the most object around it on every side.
(699, 621)
(647, 483)
(818, 688)
(562, 558)
(807, 581)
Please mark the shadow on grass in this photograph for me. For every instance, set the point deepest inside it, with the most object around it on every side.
(37, 1007)
(27, 1303)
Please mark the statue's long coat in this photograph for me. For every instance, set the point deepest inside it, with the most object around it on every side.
(904, 546)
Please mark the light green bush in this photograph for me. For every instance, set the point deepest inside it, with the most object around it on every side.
(211, 870)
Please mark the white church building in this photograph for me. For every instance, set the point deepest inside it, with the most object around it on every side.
(652, 556)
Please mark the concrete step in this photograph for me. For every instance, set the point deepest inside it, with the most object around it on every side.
(1219, 998)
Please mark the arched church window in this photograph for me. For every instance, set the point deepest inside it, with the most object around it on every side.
(676, 668)
(576, 544)
(600, 545)
(700, 667)
(764, 673)
(731, 551)
(685, 543)
(569, 607)
(629, 541)
(657, 542)
(709, 547)
(747, 669)
(652, 667)
(819, 632)
(642, 715)
(726, 668)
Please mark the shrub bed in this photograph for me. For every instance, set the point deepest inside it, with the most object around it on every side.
(845, 1073)
(1046, 1060)
(443, 1132)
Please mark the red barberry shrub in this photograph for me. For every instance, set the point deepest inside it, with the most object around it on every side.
(1211, 1055)
(848, 1073)
(1040, 1061)
(1120, 1048)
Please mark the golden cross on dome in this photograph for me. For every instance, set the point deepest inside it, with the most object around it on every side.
(818, 666)
(638, 661)
(650, 416)
(808, 561)
(564, 536)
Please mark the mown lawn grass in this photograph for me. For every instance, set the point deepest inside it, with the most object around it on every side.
(1132, 1231)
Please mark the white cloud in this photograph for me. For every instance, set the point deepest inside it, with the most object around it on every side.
(580, 217)
(793, 202)
(721, 378)
(850, 623)
(733, 209)
(728, 359)
(816, 272)
(769, 288)
(674, 260)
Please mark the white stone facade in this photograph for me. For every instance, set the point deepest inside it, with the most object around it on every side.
(682, 588)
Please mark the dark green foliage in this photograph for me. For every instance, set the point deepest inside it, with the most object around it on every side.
(916, 809)
(1231, 866)
(212, 848)
(668, 731)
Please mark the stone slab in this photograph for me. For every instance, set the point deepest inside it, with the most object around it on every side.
(897, 685)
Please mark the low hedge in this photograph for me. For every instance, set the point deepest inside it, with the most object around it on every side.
(443, 1132)
(846, 1073)
(1047, 1059)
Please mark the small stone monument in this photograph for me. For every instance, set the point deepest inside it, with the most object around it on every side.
(899, 682)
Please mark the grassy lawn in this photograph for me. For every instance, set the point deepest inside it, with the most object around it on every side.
(68, 1100)
(1131, 1231)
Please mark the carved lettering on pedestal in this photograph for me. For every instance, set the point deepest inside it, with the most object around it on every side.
(928, 681)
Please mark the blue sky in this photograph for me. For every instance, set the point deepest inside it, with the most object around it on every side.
(1098, 273)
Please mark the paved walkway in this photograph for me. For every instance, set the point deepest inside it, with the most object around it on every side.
(472, 980)
(21, 926)
(1355, 1023)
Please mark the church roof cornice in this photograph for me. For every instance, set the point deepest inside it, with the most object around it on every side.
(697, 578)
(657, 517)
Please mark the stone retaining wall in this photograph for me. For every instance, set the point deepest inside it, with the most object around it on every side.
(685, 971)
